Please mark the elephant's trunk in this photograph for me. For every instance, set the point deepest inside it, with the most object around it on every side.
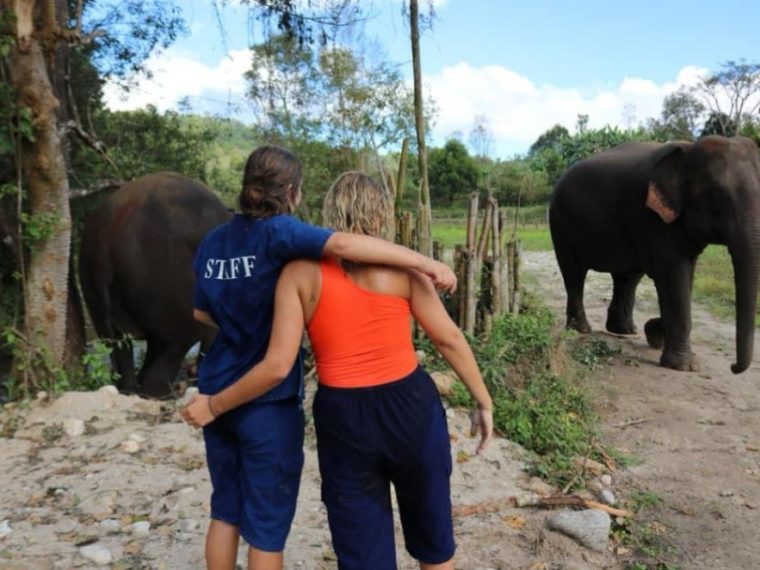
(745, 254)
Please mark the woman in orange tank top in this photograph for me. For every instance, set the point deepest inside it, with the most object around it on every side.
(377, 414)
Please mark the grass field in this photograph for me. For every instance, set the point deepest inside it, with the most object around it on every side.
(713, 280)
(451, 233)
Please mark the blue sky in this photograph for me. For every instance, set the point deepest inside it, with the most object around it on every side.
(523, 65)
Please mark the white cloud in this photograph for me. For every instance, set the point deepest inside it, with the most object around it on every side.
(518, 110)
(176, 76)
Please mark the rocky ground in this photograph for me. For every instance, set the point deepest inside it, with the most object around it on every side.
(98, 479)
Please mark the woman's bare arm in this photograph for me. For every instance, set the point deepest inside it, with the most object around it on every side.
(375, 251)
(451, 343)
(284, 343)
(205, 318)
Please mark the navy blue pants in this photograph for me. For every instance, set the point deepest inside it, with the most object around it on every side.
(255, 457)
(368, 438)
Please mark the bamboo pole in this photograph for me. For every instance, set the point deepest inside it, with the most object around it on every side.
(470, 266)
(461, 294)
(505, 270)
(437, 251)
(495, 276)
(516, 277)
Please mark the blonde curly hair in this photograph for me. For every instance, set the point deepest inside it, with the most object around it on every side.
(357, 204)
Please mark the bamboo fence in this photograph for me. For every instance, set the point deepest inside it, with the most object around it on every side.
(487, 265)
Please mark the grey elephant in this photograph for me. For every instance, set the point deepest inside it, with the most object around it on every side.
(135, 267)
(651, 208)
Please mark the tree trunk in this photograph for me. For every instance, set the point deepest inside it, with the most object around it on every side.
(46, 183)
(426, 216)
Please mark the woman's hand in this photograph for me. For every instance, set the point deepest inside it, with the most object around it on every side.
(440, 274)
(482, 421)
(198, 411)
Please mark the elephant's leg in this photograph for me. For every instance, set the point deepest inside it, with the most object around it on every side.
(162, 362)
(654, 332)
(674, 294)
(620, 311)
(574, 276)
(122, 357)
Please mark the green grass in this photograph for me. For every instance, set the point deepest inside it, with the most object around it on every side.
(714, 282)
(546, 409)
(452, 233)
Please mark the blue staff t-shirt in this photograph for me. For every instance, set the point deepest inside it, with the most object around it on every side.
(236, 270)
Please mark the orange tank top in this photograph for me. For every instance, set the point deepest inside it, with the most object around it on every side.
(360, 338)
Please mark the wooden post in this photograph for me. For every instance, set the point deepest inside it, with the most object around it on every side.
(437, 251)
(471, 296)
(511, 264)
(504, 262)
(486, 296)
(516, 278)
(496, 270)
(461, 293)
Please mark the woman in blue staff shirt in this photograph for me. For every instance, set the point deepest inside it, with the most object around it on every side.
(254, 452)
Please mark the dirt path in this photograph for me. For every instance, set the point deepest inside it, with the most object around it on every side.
(698, 448)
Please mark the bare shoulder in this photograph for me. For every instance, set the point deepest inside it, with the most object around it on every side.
(300, 270)
(384, 279)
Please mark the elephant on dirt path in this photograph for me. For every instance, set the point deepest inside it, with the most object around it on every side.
(651, 208)
(135, 267)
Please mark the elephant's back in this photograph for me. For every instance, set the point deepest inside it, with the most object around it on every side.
(160, 207)
(138, 246)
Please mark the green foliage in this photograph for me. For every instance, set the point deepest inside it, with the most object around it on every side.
(643, 533)
(547, 412)
(452, 173)
(36, 370)
(145, 141)
(590, 351)
(516, 182)
(39, 227)
(714, 283)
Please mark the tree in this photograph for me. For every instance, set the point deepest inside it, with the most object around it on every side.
(48, 43)
(680, 117)
(453, 173)
(481, 137)
(425, 213)
(731, 95)
(282, 85)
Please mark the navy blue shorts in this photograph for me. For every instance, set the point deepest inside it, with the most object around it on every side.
(368, 438)
(255, 457)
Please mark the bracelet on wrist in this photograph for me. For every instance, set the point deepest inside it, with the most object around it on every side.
(211, 407)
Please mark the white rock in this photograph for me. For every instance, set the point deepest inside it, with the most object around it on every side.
(130, 446)
(444, 381)
(191, 391)
(136, 437)
(188, 525)
(96, 553)
(591, 527)
(607, 497)
(109, 389)
(140, 528)
(110, 525)
(606, 480)
(5, 529)
(73, 426)
(41, 395)
(421, 356)
(186, 490)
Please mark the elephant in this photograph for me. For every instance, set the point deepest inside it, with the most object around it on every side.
(652, 208)
(135, 268)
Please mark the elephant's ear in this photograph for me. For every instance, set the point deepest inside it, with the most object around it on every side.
(665, 195)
